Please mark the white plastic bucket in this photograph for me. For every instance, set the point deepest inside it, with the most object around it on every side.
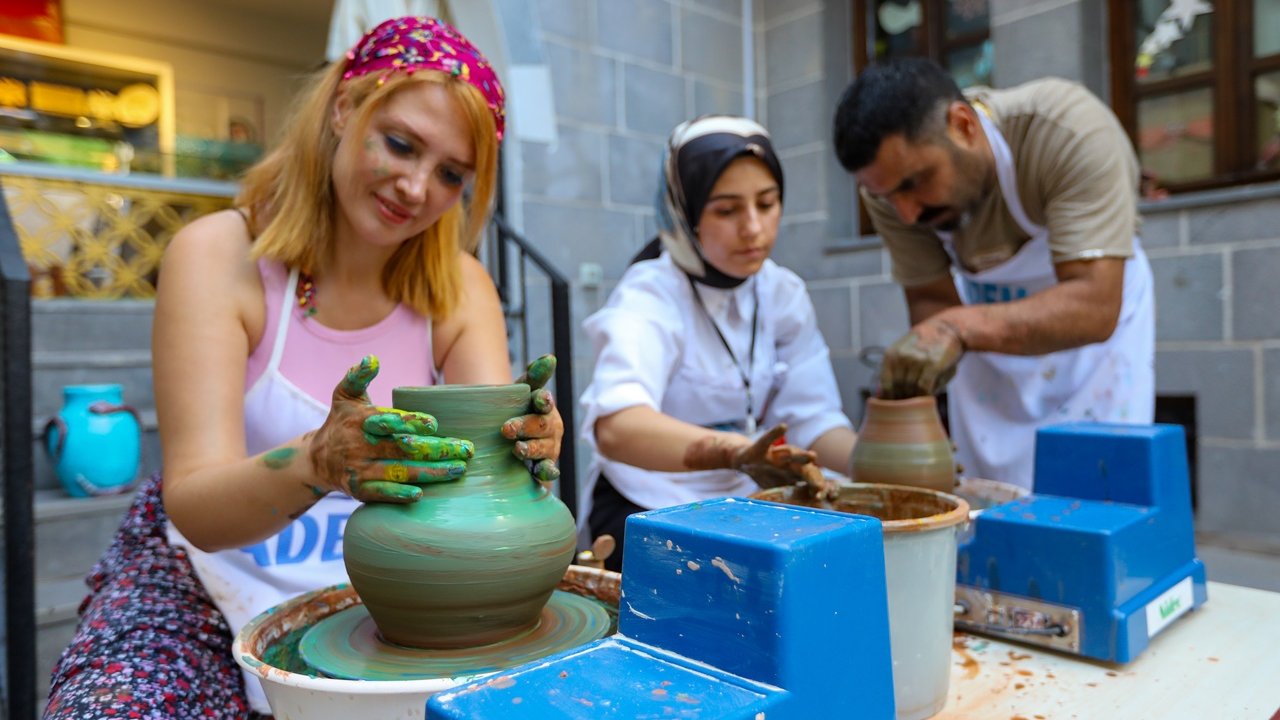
(920, 533)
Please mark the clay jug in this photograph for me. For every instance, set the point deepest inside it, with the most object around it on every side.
(902, 442)
(475, 559)
(94, 441)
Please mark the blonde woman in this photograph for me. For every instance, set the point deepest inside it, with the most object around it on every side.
(349, 241)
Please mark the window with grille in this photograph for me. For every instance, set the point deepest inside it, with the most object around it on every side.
(1197, 85)
(955, 33)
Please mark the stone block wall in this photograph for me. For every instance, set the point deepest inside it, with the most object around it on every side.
(624, 73)
(1215, 257)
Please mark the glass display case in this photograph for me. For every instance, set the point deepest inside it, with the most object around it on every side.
(84, 108)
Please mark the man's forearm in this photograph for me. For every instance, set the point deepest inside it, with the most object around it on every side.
(1065, 316)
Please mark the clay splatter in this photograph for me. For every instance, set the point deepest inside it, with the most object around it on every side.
(279, 458)
(959, 644)
(418, 447)
(389, 421)
(359, 376)
(539, 372)
(724, 568)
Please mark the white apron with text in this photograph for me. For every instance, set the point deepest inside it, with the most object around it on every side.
(996, 401)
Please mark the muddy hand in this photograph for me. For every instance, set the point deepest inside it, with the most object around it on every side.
(538, 435)
(380, 454)
(817, 484)
(773, 465)
(768, 464)
(922, 361)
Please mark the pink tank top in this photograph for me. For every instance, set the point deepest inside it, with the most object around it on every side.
(291, 374)
(288, 388)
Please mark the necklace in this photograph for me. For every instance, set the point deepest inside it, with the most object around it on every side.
(306, 293)
(745, 373)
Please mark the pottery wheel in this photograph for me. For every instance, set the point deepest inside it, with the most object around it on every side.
(346, 645)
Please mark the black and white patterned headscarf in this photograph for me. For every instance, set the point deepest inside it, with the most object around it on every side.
(697, 153)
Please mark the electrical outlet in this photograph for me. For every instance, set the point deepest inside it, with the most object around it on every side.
(590, 275)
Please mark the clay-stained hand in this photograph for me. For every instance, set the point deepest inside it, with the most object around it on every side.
(817, 484)
(921, 362)
(538, 435)
(380, 454)
(769, 465)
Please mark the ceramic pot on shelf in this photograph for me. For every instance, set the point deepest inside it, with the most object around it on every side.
(475, 559)
(902, 442)
(94, 441)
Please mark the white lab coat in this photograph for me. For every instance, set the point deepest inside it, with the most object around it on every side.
(654, 346)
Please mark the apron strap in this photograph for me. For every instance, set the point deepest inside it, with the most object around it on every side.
(282, 330)
(1008, 176)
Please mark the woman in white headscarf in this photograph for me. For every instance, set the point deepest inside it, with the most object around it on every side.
(706, 341)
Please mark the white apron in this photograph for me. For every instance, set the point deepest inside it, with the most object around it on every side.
(996, 401)
(307, 553)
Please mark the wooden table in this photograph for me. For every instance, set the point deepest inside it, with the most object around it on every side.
(1220, 661)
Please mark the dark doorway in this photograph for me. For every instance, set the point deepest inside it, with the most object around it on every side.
(1181, 410)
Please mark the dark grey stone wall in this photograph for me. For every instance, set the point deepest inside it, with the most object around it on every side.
(624, 73)
(1216, 257)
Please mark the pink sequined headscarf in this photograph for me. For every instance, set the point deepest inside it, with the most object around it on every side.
(423, 43)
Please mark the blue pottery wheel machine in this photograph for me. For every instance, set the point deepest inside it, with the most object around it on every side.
(748, 609)
(1100, 558)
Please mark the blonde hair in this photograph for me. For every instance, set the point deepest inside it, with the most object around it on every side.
(291, 189)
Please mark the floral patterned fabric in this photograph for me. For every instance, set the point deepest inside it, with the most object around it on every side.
(150, 643)
(424, 43)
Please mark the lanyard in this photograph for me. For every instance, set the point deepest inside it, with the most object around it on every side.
(751, 353)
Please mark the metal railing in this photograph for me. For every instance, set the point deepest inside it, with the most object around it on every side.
(97, 236)
(18, 686)
(509, 255)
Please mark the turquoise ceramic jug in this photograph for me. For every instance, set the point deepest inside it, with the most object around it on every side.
(94, 441)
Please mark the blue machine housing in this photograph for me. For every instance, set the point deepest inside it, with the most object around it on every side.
(1107, 532)
(730, 609)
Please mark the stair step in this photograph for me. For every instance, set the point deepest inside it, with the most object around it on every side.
(62, 359)
(57, 603)
(51, 640)
(52, 371)
(101, 324)
(54, 505)
(58, 600)
(72, 533)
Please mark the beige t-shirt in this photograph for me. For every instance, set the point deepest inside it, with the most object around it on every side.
(1077, 177)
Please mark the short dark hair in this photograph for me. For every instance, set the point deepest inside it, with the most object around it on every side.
(887, 98)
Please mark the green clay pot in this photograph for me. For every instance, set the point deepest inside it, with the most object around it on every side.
(475, 559)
